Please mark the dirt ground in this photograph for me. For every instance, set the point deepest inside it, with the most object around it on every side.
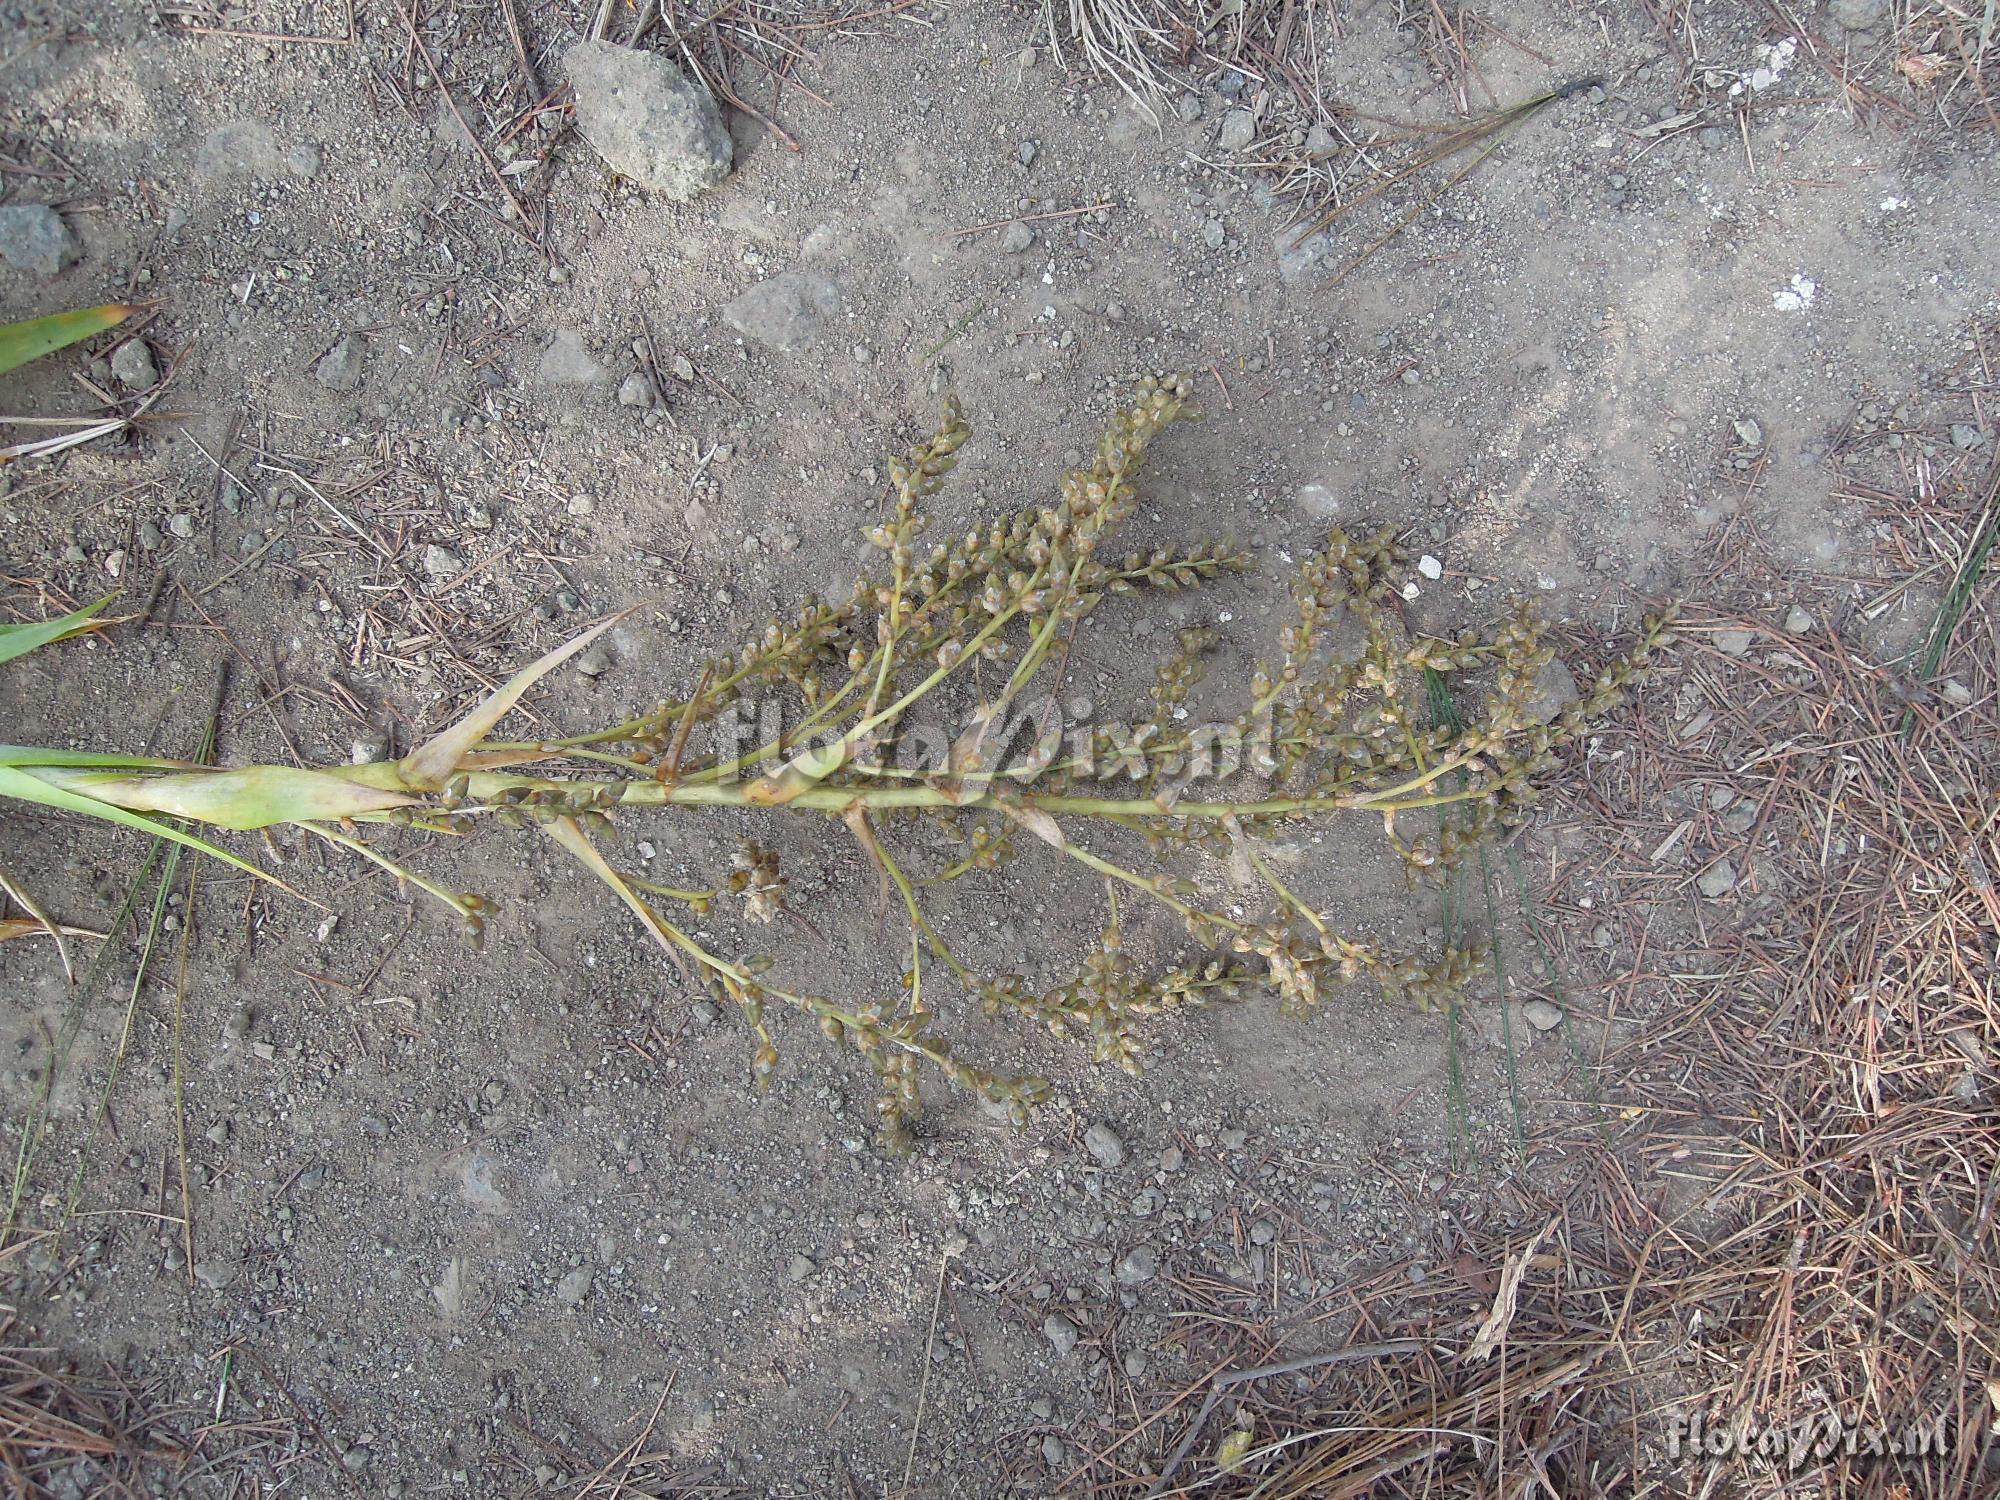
(503, 1223)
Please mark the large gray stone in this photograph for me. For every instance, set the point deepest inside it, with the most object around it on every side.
(33, 238)
(647, 121)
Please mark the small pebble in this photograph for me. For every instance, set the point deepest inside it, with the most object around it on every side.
(1061, 1333)
(1102, 1142)
(1543, 1015)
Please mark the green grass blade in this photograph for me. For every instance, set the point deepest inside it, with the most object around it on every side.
(248, 797)
(34, 337)
(19, 640)
(34, 755)
(1444, 710)
(19, 784)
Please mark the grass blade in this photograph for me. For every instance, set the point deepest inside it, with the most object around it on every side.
(245, 798)
(431, 763)
(34, 337)
(19, 640)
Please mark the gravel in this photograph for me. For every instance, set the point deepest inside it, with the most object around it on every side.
(34, 238)
(647, 121)
(784, 313)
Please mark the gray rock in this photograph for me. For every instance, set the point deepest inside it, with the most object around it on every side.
(180, 525)
(1239, 129)
(801, 1268)
(567, 362)
(1188, 107)
(149, 536)
(1102, 1142)
(574, 1287)
(213, 1274)
(1555, 690)
(339, 369)
(785, 312)
(1734, 642)
(1956, 693)
(132, 363)
(1798, 620)
(303, 161)
(1543, 1015)
(33, 238)
(1138, 1267)
(441, 562)
(1719, 879)
(1213, 234)
(647, 121)
(637, 391)
(1061, 1333)
(1859, 15)
(1965, 437)
(1016, 237)
(1053, 1451)
(707, 1012)
(595, 662)
(1263, 1232)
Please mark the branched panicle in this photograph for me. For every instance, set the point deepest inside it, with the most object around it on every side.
(1336, 722)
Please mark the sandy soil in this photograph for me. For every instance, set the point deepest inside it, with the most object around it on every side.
(480, 1222)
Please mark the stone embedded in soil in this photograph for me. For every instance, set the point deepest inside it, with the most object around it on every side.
(567, 362)
(1798, 620)
(1543, 1015)
(1965, 437)
(339, 369)
(132, 363)
(1719, 879)
(1061, 1333)
(1016, 237)
(1239, 129)
(1102, 1142)
(637, 391)
(784, 313)
(801, 1268)
(1138, 1267)
(440, 562)
(647, 121)
(574, 1287)
(1734, 642)
(594, 663)
(34, 238)
(1053, 1451)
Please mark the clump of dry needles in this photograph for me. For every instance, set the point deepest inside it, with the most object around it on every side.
(1336, 724)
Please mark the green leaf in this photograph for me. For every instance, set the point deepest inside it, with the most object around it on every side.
(243, 798)
(19, 640)
(18, 783)
(29, 340)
